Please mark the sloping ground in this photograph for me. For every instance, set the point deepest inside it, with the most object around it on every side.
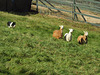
(30, 49)
(92, 20)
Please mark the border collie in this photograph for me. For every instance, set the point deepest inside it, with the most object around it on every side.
(11, 24)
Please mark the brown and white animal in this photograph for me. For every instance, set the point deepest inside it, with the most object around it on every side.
(58, 33)
(82, 39)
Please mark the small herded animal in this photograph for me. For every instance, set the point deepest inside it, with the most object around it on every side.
(58, 33)
(68, 36)
(11, 24)
(82, 39)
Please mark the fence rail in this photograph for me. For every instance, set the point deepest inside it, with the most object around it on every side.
(71, 9)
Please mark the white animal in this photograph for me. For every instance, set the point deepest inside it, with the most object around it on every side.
(68, 36)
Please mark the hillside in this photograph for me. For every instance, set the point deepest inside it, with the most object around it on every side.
(30, 49)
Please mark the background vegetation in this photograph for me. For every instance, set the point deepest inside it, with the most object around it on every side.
(30, 49)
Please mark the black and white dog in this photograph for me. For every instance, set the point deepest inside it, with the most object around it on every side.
(11, 24)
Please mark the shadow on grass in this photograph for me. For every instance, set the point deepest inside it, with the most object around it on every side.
(23, 13)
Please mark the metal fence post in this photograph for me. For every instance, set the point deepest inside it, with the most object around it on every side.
(74, 9)
(37, 5)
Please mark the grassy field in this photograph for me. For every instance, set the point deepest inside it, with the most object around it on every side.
(30, 49)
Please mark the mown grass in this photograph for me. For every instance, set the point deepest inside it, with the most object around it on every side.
(30, 49)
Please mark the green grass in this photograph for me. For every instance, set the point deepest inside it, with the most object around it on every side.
(30, 49)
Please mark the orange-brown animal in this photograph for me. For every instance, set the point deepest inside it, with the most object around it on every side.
(83, 38)
(58, 33)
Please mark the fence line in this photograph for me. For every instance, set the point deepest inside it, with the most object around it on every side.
(74, 8)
